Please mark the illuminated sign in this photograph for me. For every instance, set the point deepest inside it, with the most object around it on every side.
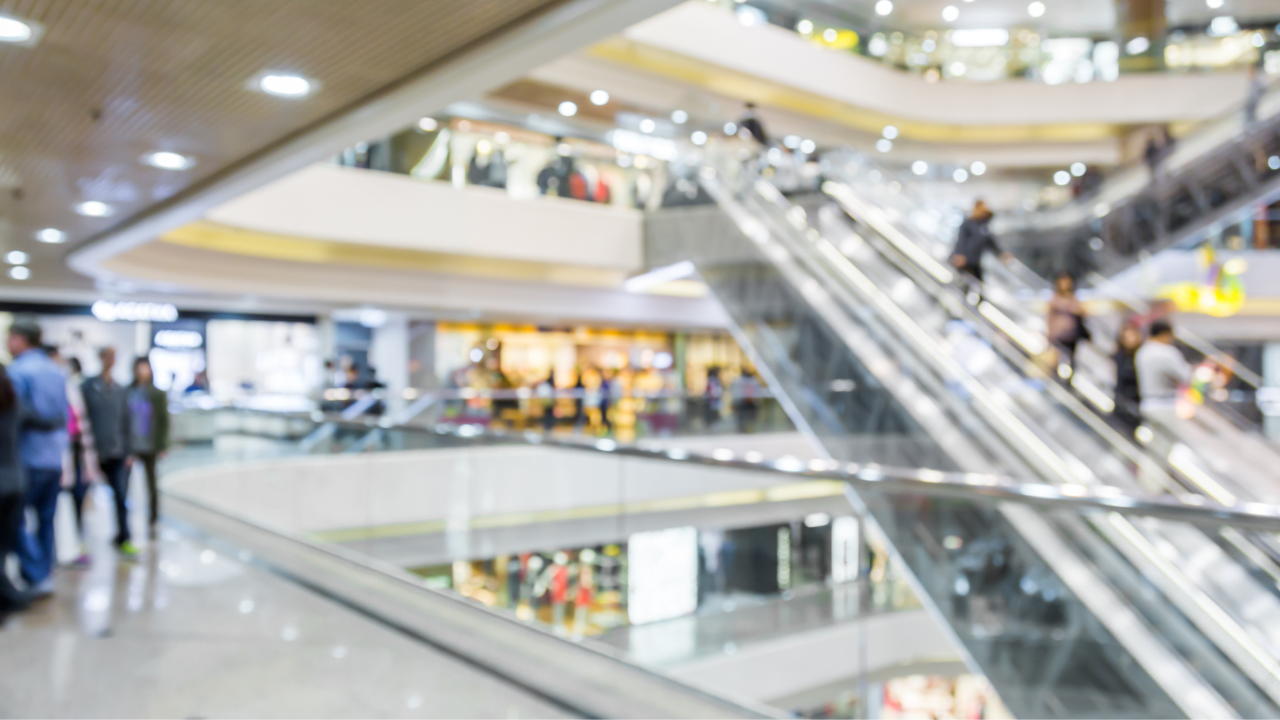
(662, 573)
(109, 311)
(178, 339)
(844, 549)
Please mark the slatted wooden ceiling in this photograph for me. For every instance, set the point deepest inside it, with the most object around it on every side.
(114, 79)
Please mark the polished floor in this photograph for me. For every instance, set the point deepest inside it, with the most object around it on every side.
(189, 631)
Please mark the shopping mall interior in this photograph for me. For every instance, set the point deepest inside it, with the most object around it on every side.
(640, 358)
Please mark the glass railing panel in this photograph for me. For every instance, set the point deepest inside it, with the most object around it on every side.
(999, 562)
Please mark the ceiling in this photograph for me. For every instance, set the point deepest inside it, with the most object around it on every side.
(112, 80)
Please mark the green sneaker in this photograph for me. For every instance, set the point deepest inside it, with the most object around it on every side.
(129, 550)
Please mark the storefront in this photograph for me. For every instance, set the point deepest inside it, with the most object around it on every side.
(227, 355)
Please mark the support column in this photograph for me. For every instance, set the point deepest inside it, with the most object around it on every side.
(389, 355)
(1142, 18)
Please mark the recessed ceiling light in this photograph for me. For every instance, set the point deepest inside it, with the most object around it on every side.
(1062, 177)
(679, 117)
(1214, 4)
(93, 208)
(1035, 9)
(698, 137)
(889, 132)
(428, 124)
(884, 7)
(568, 108)
(978, 167)
(950, 13)
(884, 145)
(599, 97)
(960, 175)
(53, 236)
(166, 160)
(648, 126)
(808, 147)
(16, 257)
(1079, 168)
(285, 85)
(919, 167)
(19, 272)
(13, 30)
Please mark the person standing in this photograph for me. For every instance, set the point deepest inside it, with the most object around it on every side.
(11, 598)
(1253, 94)
(1126, 415)
(79, 480)
(974, 241)
(1066, 320)
(41, 391)
(106, 404)
(148, 430)
(1162, 371)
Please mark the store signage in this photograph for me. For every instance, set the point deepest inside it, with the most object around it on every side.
(128, 311)
(662, 574)
(178, 339)
(844, 549)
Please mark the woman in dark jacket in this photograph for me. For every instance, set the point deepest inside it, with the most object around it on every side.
(11, 598)
(1126, 416)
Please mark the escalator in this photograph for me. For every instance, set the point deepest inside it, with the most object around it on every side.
(1216, 174)
(875, 367)
(1222, 449)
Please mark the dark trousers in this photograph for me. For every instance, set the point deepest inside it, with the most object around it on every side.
(116, 474)
(36, 552)
(80, 488)
(11, 598)
(153, 489)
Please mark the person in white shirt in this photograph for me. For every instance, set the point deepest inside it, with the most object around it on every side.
(1161, 369)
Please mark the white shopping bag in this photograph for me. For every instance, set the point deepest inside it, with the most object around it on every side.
(66, 540)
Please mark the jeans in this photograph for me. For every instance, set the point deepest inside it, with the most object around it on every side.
(116, 474)
(153, 488)
(35, 549)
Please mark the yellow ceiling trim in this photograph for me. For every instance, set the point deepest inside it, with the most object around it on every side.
(216, 237)
(764, 92)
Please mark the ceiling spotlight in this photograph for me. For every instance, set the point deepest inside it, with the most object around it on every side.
(19, 272)
(568, 108)
(1035, 9)
(698, 138)
(428, 124)
(1214, 4)
(647, 125)
(808, 146)
(830, 35)
(950, 13)
(884, 7)
(93, 208)
(919, 167)
(599, 97)
(977, 167)
(16, 257)
(889, 132)
(960, 175)
(1078, 169)
(791, 141)
(166, 160)
(805, 27)
(1062, 177)
(13, 30)
(53, 236)
(884, 145)
(285, 85)
(730, 128)
(679, 117)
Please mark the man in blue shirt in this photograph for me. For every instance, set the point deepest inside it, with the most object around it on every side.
(42, 437)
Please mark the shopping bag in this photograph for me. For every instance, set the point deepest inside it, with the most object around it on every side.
(66, 539)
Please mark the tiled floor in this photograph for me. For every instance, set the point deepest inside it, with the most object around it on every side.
(188, 632)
